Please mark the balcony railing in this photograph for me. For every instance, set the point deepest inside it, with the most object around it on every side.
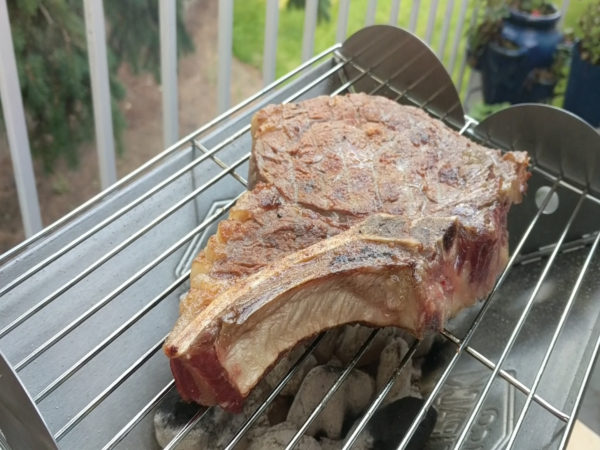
(10, 94)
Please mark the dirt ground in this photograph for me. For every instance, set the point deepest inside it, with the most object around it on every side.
(65, 189)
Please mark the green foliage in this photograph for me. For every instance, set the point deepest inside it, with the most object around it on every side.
(487, 28)
(488, 24)
(589, 33)
(323, 11)
(538, 7)
(480, 111)
(51, 51)
(134, 34)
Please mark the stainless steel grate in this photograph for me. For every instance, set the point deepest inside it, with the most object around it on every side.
(78, 328)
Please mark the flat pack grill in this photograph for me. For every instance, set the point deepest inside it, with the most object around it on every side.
(87, 303)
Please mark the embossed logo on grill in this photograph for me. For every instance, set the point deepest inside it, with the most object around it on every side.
(455, 403)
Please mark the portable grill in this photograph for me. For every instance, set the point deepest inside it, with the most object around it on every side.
(87, 303)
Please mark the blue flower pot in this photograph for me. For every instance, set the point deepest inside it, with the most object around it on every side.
(508, 74)
(583, 89)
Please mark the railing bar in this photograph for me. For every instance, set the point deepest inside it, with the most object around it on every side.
(394, 11)
(371, 11)
(332, 390)
(483, 395)
(342, 22)
(380, 397)
(592, 362)
(458, 35)
(101, 100)
(129, 177)
(463, 63)
(225, 49)
(110, 338)
(265, 404)
(470, 333)
(123, 432)
(445, 30)
(414, 15)
(310, 24)
(16, 129)
(167, 14)
(270, 47)
(554, 340)
(431, 21)
(563, 12)
(127, 283)
(109, 389)
(561, 415)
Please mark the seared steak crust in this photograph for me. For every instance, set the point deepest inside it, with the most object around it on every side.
(361, 210)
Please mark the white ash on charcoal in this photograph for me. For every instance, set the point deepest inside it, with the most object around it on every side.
(278, 436)
(390, 358)
(280, 370)
(347, 402)
(306, 389)
(214, 431)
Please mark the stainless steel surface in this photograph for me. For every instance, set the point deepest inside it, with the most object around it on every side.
(557, 140)
(84, 326)
(413, 70)
(23, 425)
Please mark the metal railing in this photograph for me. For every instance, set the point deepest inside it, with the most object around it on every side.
(412, 14)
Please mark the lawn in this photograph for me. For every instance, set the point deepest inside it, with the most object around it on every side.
(249, 23)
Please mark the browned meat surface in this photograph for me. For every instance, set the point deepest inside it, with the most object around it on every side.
(362, 210)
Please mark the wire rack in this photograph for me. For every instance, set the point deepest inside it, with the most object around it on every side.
(87, 303)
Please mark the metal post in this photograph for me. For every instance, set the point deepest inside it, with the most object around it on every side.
(16, 129)
(445, 29)
(463, 64)
(270, 48)
(225, 47)
(371, 10)
(431, 21)
(168, 70)
(96, 43)
(311, 11)
(563, 11)
(395, 10)
(458, 35)
(414, 15)
(342, 24)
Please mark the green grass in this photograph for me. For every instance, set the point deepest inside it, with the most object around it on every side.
(249, 23)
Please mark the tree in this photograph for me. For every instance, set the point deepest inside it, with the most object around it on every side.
(51, 51)
(323, 10)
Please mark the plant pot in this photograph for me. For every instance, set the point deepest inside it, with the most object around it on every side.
(583, 89)
(507, 72)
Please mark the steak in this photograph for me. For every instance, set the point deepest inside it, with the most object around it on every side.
(361, 210)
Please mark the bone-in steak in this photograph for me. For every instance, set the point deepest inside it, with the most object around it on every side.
(361, 210)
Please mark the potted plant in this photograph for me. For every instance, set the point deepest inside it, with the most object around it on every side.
(583, 89)
(513, 45)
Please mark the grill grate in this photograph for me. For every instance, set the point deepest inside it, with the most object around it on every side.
(213, 154)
